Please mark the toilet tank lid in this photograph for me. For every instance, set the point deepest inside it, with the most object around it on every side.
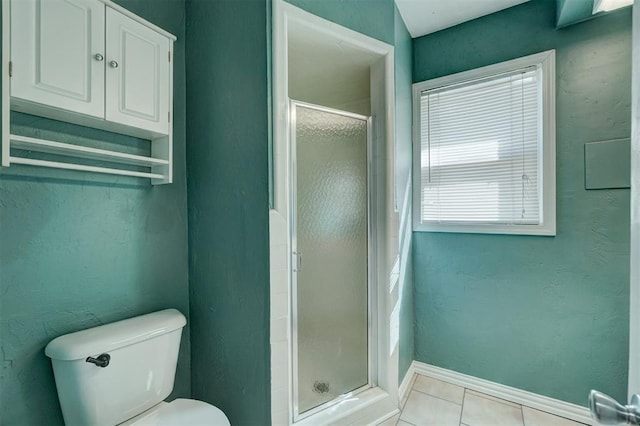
(105, 338)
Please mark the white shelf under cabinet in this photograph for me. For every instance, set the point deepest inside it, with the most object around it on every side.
(71, 166)
(51, 147)
(78, 151)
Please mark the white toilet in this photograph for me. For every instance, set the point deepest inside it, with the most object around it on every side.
(119, 374)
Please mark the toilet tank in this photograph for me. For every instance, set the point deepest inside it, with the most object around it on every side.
(143, 355)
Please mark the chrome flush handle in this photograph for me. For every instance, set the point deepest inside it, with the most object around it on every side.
(101, 361)
(608, 411)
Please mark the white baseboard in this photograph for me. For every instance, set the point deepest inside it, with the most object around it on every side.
(407, 382)
(529, 399)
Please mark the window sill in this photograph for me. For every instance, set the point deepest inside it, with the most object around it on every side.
(547, 230)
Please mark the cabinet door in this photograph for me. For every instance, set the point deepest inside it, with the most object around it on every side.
(57, 48)
(137, 74)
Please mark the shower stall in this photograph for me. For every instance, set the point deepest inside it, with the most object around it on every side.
(333, 226)
(331, 333)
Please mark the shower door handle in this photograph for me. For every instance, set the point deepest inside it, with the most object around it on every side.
(297, 261)
(608, 411)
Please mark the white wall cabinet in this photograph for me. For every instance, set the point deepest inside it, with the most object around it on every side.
(137, 77)
(53, 49)
(93, 63)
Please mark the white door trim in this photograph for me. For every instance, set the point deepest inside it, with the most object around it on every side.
(634, 293)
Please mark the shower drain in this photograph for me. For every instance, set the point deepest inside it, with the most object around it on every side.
(321, 387)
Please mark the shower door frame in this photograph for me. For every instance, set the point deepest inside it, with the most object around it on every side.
(371, 255)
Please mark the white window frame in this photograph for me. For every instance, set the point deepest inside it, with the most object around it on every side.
(545, 61)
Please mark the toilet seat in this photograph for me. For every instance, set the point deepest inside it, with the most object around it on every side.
(180, 412)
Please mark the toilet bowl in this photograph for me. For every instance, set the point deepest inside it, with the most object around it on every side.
(120, 374)
(183, 412)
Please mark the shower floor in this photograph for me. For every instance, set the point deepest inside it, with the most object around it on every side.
(434, 402)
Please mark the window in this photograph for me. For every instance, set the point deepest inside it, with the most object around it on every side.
(484, 149)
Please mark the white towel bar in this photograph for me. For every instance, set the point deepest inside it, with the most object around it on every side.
(78, 151)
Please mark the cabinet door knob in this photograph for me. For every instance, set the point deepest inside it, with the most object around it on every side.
(113, 64)
(98, 57)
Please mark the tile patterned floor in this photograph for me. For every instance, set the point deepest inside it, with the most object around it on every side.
(433, 402)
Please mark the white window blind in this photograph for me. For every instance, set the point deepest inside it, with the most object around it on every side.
(480, 151)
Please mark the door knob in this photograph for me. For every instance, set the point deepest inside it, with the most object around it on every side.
(608, 411)
(113, 64)
(98, 57)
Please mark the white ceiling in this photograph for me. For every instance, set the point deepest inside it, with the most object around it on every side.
(428, 16)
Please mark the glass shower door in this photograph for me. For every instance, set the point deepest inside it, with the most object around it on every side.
(330, 240)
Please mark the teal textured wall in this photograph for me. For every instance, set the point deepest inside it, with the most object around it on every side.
(78, 250)
(544, 314)
(403, 55)
(227, 132)
(374, 18)
(569, 12)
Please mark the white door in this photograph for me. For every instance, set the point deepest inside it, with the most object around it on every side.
(137, 74)
(57, 51)
(606, 410)
(330, 231)
(634, 329)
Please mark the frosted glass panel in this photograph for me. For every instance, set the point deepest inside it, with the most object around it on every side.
(331, 207)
